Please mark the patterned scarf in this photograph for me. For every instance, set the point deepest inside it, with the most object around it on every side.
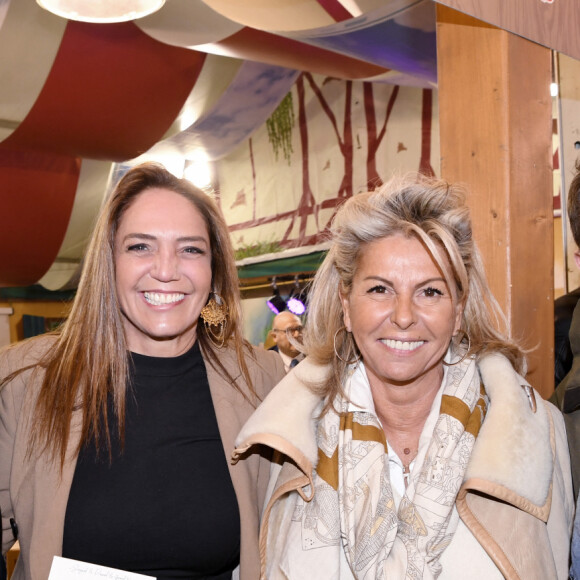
(353, 503)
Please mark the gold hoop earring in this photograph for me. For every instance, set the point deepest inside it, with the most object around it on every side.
(215, 313)
(358, 356)
(466, 353)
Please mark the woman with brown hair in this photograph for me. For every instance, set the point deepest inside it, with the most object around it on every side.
(115, 431)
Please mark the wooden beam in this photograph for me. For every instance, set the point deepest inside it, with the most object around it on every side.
(496, 137)
(552, 23)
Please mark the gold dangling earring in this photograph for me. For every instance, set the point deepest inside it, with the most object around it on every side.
(215, 313)
(348, 362)
(466, 353)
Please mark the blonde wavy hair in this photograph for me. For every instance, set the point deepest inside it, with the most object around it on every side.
(433, 211)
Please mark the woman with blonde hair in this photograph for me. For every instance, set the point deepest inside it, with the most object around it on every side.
(408, 443)
(115, 430)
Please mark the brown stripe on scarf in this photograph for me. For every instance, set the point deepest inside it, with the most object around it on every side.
(327, 467)
(456, 408)
(476, 420)
(362, 432)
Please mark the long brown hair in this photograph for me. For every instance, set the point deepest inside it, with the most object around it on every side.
(89, 361)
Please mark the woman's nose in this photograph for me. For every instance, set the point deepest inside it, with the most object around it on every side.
(165, 267)
(403, 314)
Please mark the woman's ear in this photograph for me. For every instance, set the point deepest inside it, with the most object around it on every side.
(345, 310)
(459, 307)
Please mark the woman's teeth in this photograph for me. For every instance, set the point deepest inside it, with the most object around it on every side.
(157, 299)
(403, 345)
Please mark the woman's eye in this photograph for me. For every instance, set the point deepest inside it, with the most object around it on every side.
(137, 248)
(432, 292)
(378, 289)
(193, 250)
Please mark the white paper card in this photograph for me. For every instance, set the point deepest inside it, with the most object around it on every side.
(67, 569)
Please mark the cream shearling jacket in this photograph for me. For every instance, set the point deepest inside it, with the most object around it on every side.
(35, 493)
(516, 499)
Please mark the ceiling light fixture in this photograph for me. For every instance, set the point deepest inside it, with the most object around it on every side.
(199, 171)
(297, 301)
(276, 303)
(101, 11)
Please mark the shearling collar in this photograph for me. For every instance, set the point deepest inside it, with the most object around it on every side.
(513, 449)
(286, 419)
(514, 446)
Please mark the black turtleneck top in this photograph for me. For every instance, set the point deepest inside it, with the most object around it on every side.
(165, 506)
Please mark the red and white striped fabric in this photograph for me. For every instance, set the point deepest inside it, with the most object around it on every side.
(76, 97)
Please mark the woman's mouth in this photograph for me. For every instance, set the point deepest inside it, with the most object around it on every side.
(158, 299)
(408, 345)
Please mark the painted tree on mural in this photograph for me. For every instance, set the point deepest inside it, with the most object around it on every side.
(374, 139)
(344, 141)
(426, 130)
(307, 205)
(316, 98)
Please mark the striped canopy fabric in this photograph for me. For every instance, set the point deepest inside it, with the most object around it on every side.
(75, 97)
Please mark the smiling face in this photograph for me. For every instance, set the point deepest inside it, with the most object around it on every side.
(163, 272)
(401, 313)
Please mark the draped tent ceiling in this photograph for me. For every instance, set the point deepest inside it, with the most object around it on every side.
(77, 97)
(199, 74)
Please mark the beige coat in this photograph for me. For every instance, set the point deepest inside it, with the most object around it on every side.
(516, 499)
(33, 492)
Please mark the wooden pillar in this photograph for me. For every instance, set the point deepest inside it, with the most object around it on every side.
(496, 137)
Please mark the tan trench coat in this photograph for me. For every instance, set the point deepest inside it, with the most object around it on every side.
(35, 494)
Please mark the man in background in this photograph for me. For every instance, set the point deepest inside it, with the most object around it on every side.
(567, 394)
(563, 311)
(287, 326)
